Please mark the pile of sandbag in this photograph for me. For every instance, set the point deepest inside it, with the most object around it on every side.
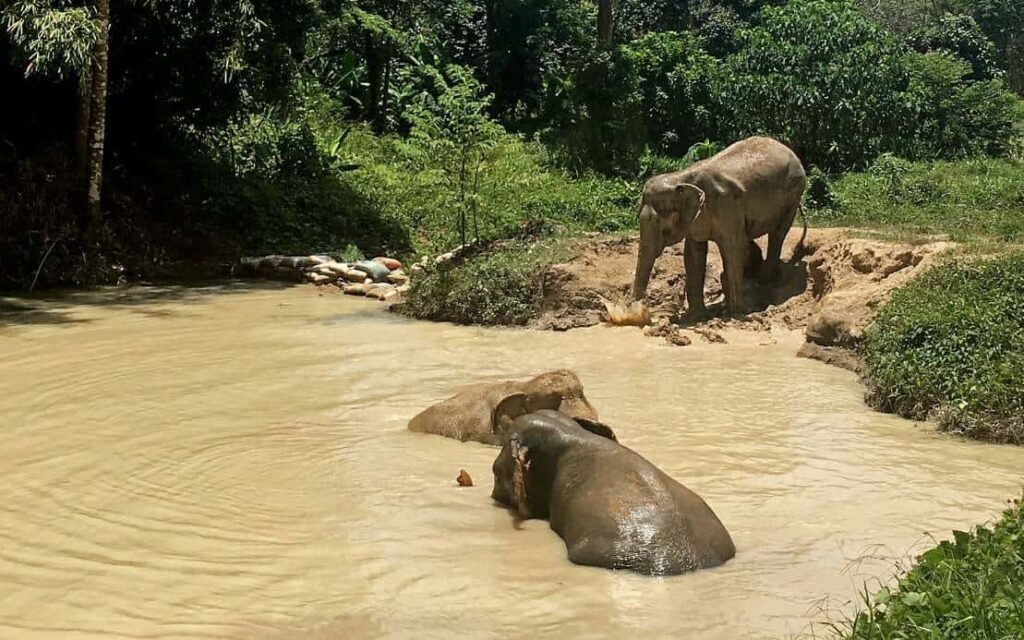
(381, 278)
(426, 262)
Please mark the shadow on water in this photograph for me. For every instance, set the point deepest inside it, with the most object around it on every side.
(58, 307)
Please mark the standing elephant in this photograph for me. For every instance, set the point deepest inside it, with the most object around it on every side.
(750, 189)
(612, 507)
(469, 415)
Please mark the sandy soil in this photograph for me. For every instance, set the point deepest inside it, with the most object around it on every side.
(830, 291)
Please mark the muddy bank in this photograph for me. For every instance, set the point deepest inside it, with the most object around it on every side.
(830, 290)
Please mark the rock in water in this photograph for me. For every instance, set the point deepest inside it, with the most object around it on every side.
(464, 480)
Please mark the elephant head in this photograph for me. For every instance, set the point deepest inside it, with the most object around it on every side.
(561, 390)
(671, 204)
(532, 442)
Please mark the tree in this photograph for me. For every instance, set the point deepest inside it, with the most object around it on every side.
(97, 115)
(58, 40)
(1003, 23)
(823, 78)
(604, 21)
(458, 135)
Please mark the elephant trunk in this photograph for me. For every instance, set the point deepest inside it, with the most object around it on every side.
(650, 249)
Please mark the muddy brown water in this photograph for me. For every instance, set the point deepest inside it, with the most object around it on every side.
(232, 462)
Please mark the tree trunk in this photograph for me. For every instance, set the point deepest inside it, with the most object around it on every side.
(375, 71)
(385, 94)
(604, 21)
(98, 115)
(82, 130)
(81, 194)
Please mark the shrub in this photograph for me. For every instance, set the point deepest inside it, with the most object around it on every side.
(967, 200)
(521, 184)
(956, 117)
(960, 36)
(266, 145)
(841, 90)
(497, 288)
(656, 93)
(819, 193)
(970, 587)
(951, 344)
(820, 75)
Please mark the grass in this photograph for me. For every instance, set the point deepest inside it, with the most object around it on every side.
(966, 200)
(518, 183)
(500, 287)
(970, 588)
(951, 345)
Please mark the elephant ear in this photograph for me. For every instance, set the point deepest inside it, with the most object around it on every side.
(520, 454)
(505, 413)
(702, 197)
(597, 428)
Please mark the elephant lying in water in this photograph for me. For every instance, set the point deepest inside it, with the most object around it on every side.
(612, 507)
(470, 414)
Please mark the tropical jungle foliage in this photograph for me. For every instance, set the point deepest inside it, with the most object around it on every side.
(140, 135)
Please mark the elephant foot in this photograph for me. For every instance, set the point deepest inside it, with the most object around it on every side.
(696, 314)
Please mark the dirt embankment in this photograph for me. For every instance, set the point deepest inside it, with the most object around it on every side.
(831, 291)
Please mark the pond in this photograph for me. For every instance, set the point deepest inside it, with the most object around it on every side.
(232, 461)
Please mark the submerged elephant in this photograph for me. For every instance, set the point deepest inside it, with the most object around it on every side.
(469, 415)
(612, 507)
(750, 189)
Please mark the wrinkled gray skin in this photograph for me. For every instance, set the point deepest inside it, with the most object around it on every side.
(470, 415)
(752, 188)
(612, 507)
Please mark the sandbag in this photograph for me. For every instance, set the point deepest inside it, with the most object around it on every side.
(390, 263)
(355, 289)
(355, 276)
(317, 278)
(307, 262)
(374, 270)
(381, 291)
(398, 277)
(249, 265)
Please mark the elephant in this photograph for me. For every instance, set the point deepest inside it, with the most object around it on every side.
(469, 415)
(752, 188)
(612, 507)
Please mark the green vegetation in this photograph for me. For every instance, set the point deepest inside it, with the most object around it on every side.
(515, 187)
(969, 588)
(241, 126)
(968, 200)
(951, 344)
(502, 287)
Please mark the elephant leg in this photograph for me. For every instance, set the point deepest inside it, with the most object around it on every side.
(770, 269)
(733, 257)
(695, 259)
(754, 260)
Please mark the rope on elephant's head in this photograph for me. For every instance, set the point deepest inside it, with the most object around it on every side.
(700, 194)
